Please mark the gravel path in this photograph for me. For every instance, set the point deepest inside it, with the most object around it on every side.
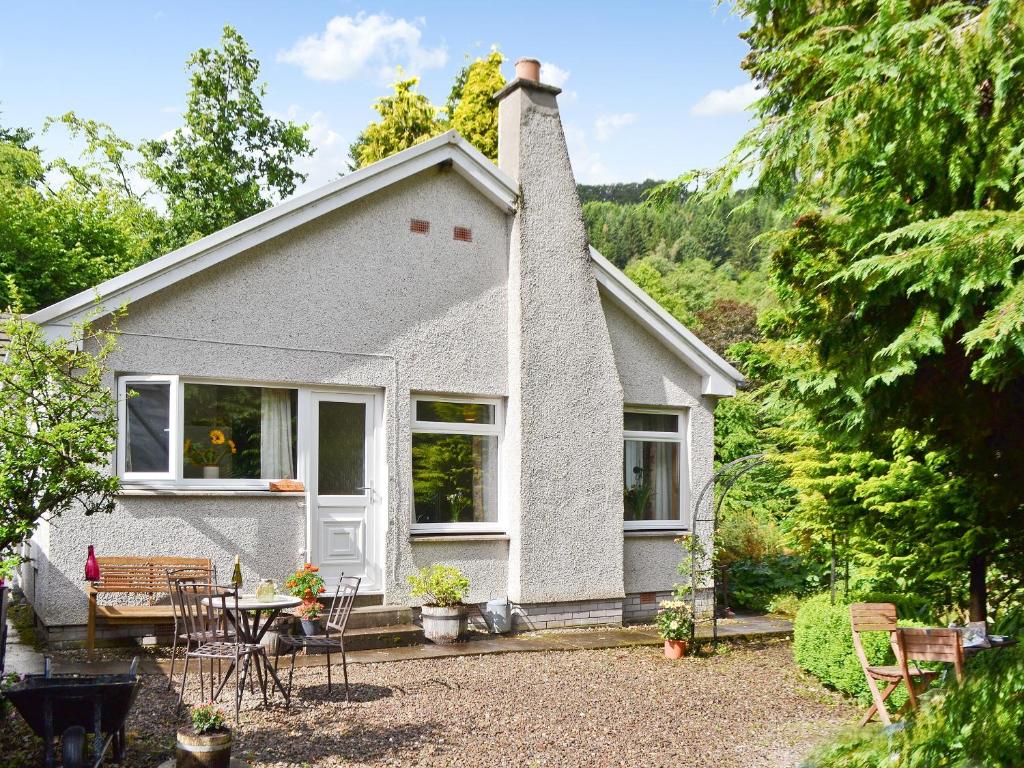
(746, 706)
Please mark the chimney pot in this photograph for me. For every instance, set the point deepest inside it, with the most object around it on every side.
(528, 69)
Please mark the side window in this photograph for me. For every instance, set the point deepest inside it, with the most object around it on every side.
(147, 426)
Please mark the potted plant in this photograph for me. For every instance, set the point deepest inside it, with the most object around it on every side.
(309, 617)
(675, 625)
(307, 584)
(444, 615)
(210, 456)
(206, 743)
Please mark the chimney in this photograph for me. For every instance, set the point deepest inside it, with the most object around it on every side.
(563, 425)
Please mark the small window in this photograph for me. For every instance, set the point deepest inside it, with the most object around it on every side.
(455, 465)
(147, 415)
(654, 473)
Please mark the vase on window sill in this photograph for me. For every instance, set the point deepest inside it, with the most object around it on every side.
(211, 471)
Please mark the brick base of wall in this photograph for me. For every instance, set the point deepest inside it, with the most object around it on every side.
(641, 607)
(576, 613)
(66, 637)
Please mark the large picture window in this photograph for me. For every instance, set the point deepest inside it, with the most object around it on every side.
(455, 464)
(654, 470)
(201, 433)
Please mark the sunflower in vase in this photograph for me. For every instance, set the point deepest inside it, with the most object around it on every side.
(210, 455)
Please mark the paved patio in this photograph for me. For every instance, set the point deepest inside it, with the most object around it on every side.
(25, 660)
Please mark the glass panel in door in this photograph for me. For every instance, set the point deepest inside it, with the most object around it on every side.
(342, 449)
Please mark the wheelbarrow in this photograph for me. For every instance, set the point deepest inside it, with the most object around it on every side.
(74, 706)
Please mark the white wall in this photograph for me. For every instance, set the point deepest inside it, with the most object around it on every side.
(652, 375)
(352, 299)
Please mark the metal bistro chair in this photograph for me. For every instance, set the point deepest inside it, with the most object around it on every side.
(881, 617)
(174, 575)
(204, 606)
(333, 639)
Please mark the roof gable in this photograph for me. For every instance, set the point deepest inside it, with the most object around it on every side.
(718, 377)
(448, 148)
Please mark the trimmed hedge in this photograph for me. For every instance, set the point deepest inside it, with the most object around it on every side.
(823, 646)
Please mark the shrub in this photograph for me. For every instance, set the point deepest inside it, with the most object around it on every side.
(823, 645)
(675, 619)
(442, 585)
(206, 718)
(754, 583)
(978, 724)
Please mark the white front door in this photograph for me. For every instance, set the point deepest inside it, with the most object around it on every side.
(343, 527)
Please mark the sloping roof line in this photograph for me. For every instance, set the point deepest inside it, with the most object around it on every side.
(718, 377)
(149, 278)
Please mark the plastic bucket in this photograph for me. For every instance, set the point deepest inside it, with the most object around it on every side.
(499, 618)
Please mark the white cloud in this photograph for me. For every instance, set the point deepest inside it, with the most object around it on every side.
(607, 125)
(726, 102)
(552, 74)
(331, 156)
(353, 46)
(586, 164)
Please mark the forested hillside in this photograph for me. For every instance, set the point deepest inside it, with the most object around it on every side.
(700, 261)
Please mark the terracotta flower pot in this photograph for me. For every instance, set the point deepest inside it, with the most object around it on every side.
(676, 649)
(203, 750)
(443, 625)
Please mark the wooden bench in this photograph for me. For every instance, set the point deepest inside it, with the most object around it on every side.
(139, 575)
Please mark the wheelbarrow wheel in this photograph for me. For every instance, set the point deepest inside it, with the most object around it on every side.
(73, 747)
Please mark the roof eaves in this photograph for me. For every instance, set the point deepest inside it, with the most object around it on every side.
(718, 376)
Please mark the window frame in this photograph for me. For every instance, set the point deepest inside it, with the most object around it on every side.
(496, 429)
(682, 437)
(174, 429)
(175, 479)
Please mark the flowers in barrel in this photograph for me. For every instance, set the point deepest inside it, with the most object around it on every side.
(212, 452)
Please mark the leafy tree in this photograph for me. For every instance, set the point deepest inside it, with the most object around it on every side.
(895, 132)
(20, 164)
(57, 242)
(473, 111)
(231, 159)
(57, 429)
(407, 118)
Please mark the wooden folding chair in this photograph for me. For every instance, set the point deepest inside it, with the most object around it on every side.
(933, 644)
(881, 617)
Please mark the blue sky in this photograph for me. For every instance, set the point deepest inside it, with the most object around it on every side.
(651, 89)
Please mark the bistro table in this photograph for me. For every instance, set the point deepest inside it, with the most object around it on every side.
(994, 641)
(250, 627)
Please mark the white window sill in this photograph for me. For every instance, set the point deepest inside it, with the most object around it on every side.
(246, 492)
(655, 533)
(460, 538)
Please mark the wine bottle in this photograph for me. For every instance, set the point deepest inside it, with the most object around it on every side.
(236, 574)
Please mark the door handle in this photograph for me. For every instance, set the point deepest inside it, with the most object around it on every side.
(364, 487)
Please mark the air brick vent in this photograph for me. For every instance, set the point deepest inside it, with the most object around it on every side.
(465, 234)
(419, 226)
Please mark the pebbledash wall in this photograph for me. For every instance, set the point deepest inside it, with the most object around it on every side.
(354, 299)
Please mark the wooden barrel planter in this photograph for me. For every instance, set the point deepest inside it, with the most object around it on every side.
(203, 750)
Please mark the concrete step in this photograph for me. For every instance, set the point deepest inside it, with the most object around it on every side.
(377, 638)
(379, 616)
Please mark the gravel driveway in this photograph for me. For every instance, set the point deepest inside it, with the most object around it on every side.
(746, 706)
